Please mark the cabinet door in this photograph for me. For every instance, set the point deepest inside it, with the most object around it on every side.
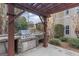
(25, 46)
(32, 44)
(2, 48)
(28, 45)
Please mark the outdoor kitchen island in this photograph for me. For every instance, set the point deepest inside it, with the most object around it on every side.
(4, 43)
(21, 45)
(27, 44)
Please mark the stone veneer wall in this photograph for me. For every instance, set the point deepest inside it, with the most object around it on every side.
(3, 17)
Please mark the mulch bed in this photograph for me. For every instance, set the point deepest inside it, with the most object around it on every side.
(67, 46)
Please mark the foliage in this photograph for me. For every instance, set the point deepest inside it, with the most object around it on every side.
(59, 31)
(21, 23)
(55, 42)
(30, 24)
(39, 27)
(64, 39)
(74, 42)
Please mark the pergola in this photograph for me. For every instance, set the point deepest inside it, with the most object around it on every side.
(42, 9)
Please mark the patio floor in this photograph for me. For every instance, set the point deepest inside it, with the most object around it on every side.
(51, 50)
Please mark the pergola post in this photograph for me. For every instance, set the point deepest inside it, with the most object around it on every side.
(45, 42)
(11, 50)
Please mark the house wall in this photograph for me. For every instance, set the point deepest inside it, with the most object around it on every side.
(58, 18)
(70, 19)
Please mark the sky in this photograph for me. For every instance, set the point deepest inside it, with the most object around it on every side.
(32, 17)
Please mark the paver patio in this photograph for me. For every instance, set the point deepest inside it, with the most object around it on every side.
(51, 50)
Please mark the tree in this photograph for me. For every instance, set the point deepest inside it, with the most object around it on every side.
(21, 23)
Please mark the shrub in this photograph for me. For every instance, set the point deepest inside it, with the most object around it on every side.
(55, 42)
(64, 39)
(74, 42)
(59, 31)
(21, 23)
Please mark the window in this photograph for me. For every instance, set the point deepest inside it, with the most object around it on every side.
(67, 29)
(67, 12)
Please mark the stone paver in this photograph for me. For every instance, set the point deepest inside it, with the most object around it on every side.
(51, 50)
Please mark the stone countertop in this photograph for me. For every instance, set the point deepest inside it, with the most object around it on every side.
(39, 35)
(5, 38)
(34, 36)
(29, 38)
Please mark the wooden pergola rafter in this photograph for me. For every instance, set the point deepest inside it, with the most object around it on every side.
(42, 9)
(46, 9)
(27, 8)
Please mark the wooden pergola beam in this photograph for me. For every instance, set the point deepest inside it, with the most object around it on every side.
(50, 8)
(16, 16)
(19, 14)
(62, 7)
(36, 5)
(46, 7)
(45, 41)
(42, 20)
(11, 42)
(30, 9)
